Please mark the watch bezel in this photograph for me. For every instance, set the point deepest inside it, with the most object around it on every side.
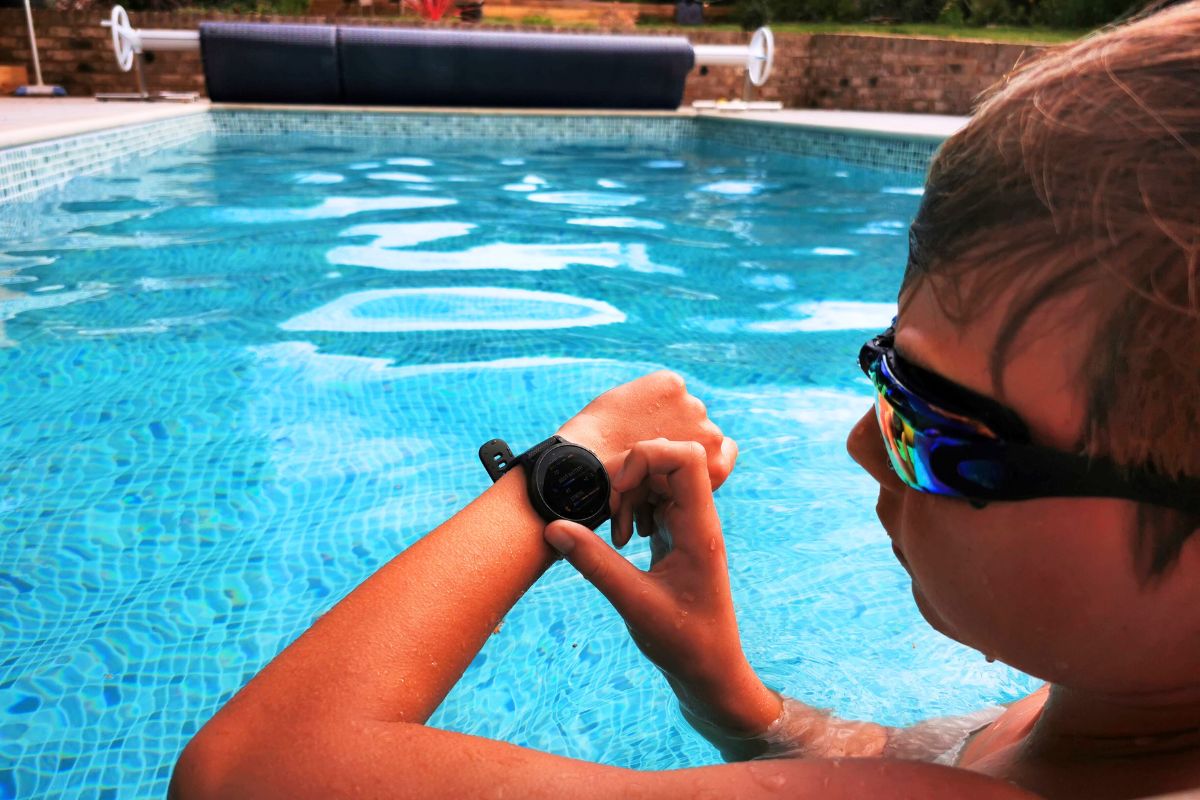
(537, 476)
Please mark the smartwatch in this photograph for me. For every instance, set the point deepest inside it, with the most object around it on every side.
(565, 480)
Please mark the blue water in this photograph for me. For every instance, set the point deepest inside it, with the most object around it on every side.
(237, 377)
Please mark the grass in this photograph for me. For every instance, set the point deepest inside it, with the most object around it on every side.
(1012, 34)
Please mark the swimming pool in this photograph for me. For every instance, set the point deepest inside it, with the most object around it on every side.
(242, 373)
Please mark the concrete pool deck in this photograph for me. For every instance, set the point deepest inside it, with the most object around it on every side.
(24, 120)
(28, 120)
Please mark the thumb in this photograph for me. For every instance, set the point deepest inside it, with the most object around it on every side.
(602, 566)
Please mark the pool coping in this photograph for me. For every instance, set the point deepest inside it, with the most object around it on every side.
(122, 117)
(39, 157)
(912, 126)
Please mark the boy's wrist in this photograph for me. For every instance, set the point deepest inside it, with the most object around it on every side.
(578, 430)
(739, 705)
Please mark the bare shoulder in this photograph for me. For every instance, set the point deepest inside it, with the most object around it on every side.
(1011, 727)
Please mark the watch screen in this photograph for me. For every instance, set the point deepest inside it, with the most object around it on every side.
(573, 487)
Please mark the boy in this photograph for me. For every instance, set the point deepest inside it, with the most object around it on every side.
(1036, 439)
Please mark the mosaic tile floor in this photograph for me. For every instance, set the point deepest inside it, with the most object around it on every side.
(240, 374)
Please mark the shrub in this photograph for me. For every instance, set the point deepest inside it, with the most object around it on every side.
(751, 14)
(1054, 13)
(752, 11)
(902, 10)
(984, 12)
(1081, 13)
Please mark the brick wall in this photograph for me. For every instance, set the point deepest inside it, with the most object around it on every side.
(874, 73)
(886, 73)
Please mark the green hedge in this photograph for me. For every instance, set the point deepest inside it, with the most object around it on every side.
(1052, 13)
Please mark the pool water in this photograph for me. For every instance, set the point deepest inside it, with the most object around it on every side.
(239, 376)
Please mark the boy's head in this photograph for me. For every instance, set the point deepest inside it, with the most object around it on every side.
(1055, 266)
(1079, 178)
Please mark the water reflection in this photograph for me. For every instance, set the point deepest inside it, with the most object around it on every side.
(454, 309)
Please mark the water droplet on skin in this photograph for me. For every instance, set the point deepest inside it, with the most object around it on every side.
(687, 597)
(767, 776)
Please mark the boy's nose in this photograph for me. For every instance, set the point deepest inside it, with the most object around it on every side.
(865, 445)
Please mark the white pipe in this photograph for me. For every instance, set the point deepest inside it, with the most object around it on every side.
(37, 66)
(720, 55)
(157, 40)
(756, 57)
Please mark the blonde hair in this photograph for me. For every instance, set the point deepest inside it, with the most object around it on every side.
(1081, 173)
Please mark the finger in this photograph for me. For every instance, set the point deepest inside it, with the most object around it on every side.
(621, 503)
(645, 520)
(656, 492)
(623, 584)
(614, 512)
(623, 526)
(684, 465)
(721, 467)
(687, 511)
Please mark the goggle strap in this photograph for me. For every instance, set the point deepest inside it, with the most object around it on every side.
(1037, 472)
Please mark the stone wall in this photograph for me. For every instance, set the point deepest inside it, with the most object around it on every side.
(891, 73)
(875, 73)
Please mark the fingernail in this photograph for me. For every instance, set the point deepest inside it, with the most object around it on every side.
(559, 539)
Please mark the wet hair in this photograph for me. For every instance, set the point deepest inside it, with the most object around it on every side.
(1079, 177)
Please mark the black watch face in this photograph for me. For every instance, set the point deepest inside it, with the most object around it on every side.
(574, 484)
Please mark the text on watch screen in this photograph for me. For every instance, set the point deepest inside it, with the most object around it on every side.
(571, 487)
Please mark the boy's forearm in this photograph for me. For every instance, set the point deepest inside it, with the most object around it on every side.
(393, 648)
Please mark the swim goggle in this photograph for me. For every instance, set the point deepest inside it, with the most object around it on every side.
(944, 439)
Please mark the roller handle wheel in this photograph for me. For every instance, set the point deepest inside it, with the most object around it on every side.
(122, 37)
(761, 56)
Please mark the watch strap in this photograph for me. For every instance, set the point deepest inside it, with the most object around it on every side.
(498, 459)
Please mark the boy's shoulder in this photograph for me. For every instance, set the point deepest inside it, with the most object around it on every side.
(1009, 728)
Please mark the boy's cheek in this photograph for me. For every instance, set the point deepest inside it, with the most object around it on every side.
(990, 578)
(1047, 586)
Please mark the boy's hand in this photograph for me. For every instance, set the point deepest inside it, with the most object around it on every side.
(655, 405)
(680, 613)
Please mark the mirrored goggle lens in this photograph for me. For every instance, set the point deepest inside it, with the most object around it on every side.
(899, 437)
(974, 473)
(909, 450)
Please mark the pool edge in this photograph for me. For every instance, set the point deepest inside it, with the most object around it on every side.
(45, 157)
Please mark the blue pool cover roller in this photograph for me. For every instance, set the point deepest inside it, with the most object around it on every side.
(258, 63)
(263, 63)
